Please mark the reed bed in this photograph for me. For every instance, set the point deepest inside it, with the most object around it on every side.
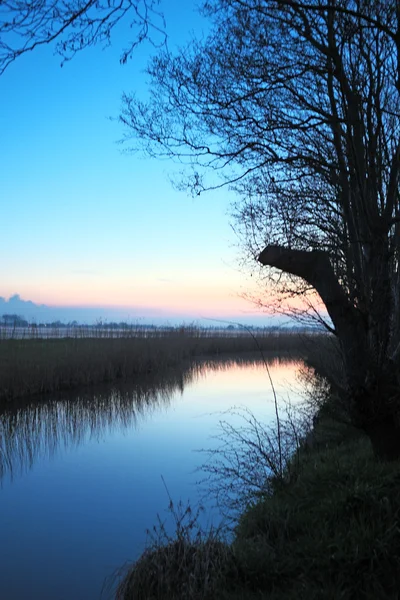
(39, 365)
(125, 330)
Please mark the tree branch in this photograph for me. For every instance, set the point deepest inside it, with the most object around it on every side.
(315, 268)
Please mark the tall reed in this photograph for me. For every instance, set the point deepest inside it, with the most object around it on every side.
(38, 366)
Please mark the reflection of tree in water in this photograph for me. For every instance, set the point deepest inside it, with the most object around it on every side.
(31, 431)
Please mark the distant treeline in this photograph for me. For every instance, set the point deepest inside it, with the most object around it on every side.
(14, 320)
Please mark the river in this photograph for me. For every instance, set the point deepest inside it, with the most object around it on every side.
(83, 475)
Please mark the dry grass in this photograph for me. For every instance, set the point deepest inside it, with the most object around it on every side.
(39, 366)
(189, 564)
(182, 570)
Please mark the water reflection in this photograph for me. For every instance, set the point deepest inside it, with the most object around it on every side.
(38, 429)
(85, 511)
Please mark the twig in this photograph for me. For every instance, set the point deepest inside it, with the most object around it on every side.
(278, 425)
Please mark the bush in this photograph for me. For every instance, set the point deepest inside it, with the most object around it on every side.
(191, 564)
(180, 570)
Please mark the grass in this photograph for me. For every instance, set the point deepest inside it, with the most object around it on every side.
(332, 531)
(189, 564)
(40, 366)
(180, 569)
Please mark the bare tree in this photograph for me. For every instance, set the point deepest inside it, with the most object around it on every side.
(74, 25)
(295, 104)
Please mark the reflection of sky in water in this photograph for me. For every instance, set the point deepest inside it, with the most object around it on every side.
(86, 472)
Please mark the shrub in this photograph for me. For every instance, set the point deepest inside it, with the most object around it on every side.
(190, 564)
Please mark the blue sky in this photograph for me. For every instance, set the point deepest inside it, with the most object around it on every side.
(84, 224)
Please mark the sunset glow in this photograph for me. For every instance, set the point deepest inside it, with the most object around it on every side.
(87, 225)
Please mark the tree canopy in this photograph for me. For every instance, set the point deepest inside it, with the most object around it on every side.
(295, 105)
(74, 25)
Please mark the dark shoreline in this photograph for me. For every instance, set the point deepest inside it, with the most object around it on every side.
(330, 529)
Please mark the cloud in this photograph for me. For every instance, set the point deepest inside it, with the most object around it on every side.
(144, 315)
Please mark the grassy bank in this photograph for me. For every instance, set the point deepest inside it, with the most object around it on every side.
(38, 366)
(333, 531)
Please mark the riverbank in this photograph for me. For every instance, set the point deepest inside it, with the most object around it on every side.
(40, 366)
(332, 531)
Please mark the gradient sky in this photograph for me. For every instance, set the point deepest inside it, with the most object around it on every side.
(84, 224)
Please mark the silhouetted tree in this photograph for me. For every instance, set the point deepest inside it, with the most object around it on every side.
(74, 25)
(14, 321)
(296, 105)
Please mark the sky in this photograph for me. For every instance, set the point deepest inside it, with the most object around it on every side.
(87, 226)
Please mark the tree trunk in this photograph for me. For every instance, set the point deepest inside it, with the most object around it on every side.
(372, 377)
(315, 268)
(385, 438)
(377, 412)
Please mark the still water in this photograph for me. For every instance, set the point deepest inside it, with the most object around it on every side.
(81, 475)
